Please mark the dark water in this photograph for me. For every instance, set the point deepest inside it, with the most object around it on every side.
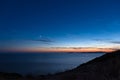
(42, 63)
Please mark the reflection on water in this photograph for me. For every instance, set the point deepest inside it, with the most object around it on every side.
(42, 63)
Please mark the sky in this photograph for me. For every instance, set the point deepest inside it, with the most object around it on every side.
(53, 24)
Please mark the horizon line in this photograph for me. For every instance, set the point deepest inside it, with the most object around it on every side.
(60, 49)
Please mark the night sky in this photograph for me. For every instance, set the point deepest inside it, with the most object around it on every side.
(36, 24)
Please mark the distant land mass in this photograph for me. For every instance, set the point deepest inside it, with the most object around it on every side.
(106, 67)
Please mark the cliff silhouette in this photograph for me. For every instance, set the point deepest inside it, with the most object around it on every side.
(106, 67)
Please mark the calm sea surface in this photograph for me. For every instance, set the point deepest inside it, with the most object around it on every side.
(42, 63)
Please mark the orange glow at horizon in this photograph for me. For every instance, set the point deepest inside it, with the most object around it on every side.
(62, 50)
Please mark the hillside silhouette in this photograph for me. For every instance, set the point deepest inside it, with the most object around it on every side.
(106, 67)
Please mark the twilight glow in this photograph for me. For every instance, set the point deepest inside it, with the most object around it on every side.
(60, 25)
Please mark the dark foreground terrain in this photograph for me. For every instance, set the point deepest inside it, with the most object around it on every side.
(106, 67)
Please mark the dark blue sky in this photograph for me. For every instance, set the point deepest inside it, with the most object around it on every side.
(59, 23)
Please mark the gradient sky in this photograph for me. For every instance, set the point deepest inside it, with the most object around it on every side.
(59, 23)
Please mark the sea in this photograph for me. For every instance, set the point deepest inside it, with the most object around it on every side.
(43, 63)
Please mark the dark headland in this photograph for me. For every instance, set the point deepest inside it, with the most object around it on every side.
(106, 67)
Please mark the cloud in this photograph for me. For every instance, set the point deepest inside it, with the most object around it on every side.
(108, 41)
(102, 40)
(39, 40)
(44, 40)
(115, 42)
